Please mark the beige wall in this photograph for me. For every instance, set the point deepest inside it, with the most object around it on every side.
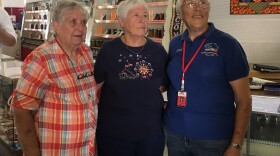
(13, 3)
(258, 34)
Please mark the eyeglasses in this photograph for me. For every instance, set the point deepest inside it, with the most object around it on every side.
(192, 4)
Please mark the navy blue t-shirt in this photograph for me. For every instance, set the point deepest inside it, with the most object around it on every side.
(131, 104)
(210, 110)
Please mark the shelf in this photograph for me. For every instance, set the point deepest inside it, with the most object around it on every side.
(106, 21)
(37, 30)
(109, 36)
(97, 48)
(152, 4)
(156, 21)
(36, 20)
(28, 38)
(158, 40)
(116, 21)
(36, 11)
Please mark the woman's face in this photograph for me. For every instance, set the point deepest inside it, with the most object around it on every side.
(72, 30)
(195, 14)
(136, 22)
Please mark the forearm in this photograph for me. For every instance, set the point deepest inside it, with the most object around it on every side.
(243, 101)
(26, 132)
(6, 38)
(242, 117)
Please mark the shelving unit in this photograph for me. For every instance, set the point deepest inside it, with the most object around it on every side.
(35, 27)
(106, 26)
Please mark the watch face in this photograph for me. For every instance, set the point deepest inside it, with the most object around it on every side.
(237, 146)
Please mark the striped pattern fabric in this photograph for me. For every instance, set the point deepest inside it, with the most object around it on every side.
(65, 106)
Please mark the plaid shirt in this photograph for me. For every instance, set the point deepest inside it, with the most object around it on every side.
(65, 106)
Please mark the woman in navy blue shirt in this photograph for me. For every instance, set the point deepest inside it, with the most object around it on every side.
(132, 68)
(209, 101)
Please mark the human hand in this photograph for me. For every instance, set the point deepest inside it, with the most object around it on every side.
(231, 151)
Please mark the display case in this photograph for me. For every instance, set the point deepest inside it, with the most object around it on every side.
(11, 70)
(264, 123)
(35, 26)
(106, 26)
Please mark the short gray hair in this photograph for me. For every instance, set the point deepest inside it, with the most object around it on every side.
(67, 5)
(126, 5)
(179, 5)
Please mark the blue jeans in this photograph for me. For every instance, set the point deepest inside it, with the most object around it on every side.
(182, 146)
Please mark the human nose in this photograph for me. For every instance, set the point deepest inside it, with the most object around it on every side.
(81, 25)
(143, 18)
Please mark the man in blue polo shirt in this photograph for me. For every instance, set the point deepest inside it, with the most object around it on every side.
(209, 101)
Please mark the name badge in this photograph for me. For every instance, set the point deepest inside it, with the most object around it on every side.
(182, 99)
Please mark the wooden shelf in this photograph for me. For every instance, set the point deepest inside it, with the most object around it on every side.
(36, 11)
(36, 20)
(106, 21)
(156, 21)
(38, 30)
(264, 75)
(105, 36)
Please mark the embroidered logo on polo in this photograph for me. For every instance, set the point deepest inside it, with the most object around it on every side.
(211, 49)
(141, 69)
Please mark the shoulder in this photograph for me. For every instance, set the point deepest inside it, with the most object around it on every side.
(176, 39)
(155, 46)
(111, 44)
(44, 52)
(3, 15)
(85, 47)
(224, 37)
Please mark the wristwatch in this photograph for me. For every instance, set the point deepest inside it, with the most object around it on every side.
(236, 146)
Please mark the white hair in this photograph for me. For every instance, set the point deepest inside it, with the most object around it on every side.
(126, 5)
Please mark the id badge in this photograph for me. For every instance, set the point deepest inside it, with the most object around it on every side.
(182, 99)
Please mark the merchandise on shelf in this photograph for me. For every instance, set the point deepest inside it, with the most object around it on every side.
(106, 25)
(35, 27)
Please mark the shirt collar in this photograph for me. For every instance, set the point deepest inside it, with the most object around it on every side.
(207, 34)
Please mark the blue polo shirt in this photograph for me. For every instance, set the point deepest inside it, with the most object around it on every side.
(210, 109)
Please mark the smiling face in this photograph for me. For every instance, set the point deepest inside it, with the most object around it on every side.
(136, 22)
(72, 29)
(195, 14)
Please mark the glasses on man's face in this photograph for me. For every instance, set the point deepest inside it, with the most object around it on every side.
(192, 4)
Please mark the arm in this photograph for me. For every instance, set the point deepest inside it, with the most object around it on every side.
(243, 102)
(26, 132)
(7, 32)
(162, 88)
(6, 38)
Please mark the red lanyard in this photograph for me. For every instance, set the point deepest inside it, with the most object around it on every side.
(184, 69)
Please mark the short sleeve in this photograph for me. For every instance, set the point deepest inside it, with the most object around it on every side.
(32, 84)
(236, 64)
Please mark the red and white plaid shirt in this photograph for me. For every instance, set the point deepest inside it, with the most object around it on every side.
(66, 107)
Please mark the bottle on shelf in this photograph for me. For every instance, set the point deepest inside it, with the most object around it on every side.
(45, 16)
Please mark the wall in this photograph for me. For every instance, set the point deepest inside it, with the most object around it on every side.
(258, 34)
(13, 3)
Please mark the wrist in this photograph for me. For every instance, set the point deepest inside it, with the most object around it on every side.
(236, 145)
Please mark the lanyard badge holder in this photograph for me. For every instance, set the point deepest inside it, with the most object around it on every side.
(182, 95)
